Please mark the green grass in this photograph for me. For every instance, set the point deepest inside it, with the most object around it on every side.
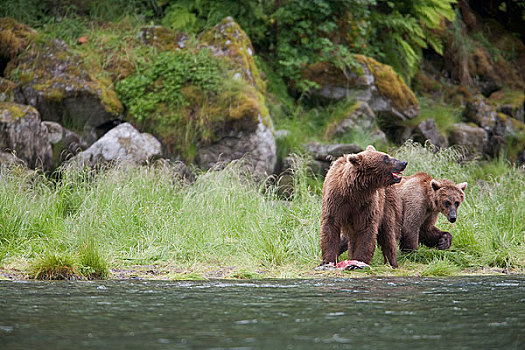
(95, 221)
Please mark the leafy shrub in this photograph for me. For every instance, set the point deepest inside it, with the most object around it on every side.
(403, 28)
(163, 81)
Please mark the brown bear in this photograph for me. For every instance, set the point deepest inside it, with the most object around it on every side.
(423, 199)
(358, 202)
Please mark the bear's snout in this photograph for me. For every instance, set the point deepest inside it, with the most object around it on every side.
(452, 219)
(400, 165)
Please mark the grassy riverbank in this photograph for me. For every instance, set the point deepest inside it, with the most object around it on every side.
(144, 221)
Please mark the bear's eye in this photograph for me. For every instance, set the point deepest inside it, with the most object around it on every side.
(447, 204)
(456, 204)
(386, 159)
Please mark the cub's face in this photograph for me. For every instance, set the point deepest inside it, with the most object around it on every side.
(448, 197)
(377, 166)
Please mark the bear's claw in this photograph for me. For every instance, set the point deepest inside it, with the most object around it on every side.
(445, 241)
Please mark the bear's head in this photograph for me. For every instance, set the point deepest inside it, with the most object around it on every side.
(448, 196)
(377, 166)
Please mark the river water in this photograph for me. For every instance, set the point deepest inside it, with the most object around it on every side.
(365, 313)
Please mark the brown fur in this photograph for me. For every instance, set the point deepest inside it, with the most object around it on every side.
(359, 202)
(423, 198)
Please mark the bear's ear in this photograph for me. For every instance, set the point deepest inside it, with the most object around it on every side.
(435, 185)
(353, 158)
(370, 148)
(462, 186)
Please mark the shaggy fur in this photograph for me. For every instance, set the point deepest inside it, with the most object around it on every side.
(358, 202)
(423, 199)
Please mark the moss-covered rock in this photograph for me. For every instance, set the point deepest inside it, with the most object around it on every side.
(53, 79)
(377, 84)
(229, 41)
(14, 38)
(205, 102)
(22, 133)
(509, 102)
(7, 90)
(500, 127)
(163, 38)
(392, 87)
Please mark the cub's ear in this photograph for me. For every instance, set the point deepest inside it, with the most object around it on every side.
(370, 148)
(435, 185)
(462, 186)
(353, 158)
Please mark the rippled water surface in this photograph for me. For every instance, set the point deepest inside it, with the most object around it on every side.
(365, 313)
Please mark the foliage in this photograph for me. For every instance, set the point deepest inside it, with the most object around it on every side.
(403, 28)
(305, 32)
(162, 82)
(38, 12)
(196, 15)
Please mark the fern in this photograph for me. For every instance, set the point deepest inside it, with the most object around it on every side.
(404, 28)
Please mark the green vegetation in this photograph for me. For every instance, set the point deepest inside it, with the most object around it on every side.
(226, 224)
(162, 83)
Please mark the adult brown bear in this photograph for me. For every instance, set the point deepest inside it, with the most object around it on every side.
(359, 202)
(423, 199)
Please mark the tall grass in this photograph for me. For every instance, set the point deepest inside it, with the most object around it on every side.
(94, 221)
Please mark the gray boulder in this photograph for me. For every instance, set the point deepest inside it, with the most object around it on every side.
(427, 131)
(121, 144)
(471, 138)
(22, 133)
(257, 147)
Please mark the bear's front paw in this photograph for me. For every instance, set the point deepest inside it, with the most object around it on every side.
(445, 241)
(326, 266)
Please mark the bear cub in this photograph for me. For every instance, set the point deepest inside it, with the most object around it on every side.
(423, 199)
(359, 203)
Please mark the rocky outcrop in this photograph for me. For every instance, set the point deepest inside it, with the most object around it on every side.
(372, 82)
(23, 134)
(498, 126)
(121, 144)
(54, 81)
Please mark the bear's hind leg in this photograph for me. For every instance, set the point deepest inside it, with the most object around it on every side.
(363, 242)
